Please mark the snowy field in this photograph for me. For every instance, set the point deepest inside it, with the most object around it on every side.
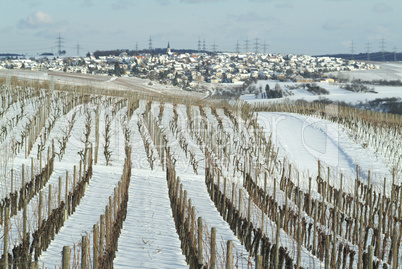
(388, 71)
(336, 93)
(306, 140)
(239, 145)
(104, 82)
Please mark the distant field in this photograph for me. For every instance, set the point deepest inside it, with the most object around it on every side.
(106, 82)
(381, 98)
(387, 71)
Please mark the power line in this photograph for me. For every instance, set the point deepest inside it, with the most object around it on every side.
(246, 45)
(256, 45)
(395, 54)
(59, 41)
(368, 51)
(78, 48)
(214, 47)
(383, 49)
(199, 45)
(265, 47)
(203, 45)
(150, 45)
(352, 49)
(237, 47)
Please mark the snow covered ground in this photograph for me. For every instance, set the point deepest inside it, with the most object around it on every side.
(104, 82)
(149, 238)
(388, 71)
(337, 94)
(306, 140)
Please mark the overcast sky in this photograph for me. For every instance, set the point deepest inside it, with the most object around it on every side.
(286, 26)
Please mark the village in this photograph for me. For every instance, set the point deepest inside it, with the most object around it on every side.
(190, 70)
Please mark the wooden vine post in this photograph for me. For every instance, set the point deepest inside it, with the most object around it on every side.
(59, 193)
(66, 198)
(286, 205)
(315, 228)
(40, 209)
(240, 213)
(200, 255)
(102, 231)
(395, 245)
(49, 200)
(334, 228)
(66, 257)
(371, 255)
(229, 255)
(213, 248)
(299, 232)
(84, 252)
(309, 197)
(360, 244)
(327, 241)
(24, 218)
(95, 246)
(6, 228)
(74, 176)
(278, 232)
(258, 262)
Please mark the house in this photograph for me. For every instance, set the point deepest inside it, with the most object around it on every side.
(244, 76)
(139, 58)
(281, 77)
(214, 80)
(327, 80)
(301, 79)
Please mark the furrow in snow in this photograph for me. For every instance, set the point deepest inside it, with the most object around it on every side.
(149, 237)
(92, 205)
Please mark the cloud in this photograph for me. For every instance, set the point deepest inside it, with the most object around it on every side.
(35, 20)
(381, 8)
(336, 25)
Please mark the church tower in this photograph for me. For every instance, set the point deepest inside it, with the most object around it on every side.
(168, 51)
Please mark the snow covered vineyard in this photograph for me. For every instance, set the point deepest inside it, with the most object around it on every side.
(110, 179)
